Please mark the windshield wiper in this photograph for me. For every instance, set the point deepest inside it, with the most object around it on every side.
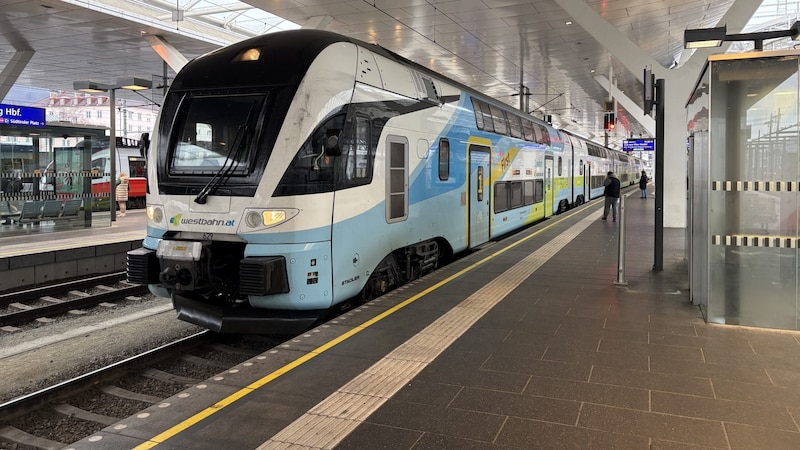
(224, 172)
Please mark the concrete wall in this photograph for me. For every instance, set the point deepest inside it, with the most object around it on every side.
(19, 272)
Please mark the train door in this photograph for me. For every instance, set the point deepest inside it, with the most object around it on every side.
(587, 181)
(549, 188)
(478, 203)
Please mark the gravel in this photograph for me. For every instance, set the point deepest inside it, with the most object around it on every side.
(66, 358)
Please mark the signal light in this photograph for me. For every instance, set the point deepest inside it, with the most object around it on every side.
(609, 121)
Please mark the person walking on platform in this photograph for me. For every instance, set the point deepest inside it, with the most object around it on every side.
(611, 192)
(643, 184)
(122, 193)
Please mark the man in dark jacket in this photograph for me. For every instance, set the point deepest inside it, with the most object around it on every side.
(612, 195)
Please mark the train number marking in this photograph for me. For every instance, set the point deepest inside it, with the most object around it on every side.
(208, 236)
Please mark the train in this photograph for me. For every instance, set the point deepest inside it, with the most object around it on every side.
(299, 171)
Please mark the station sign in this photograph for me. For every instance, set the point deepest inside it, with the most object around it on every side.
(25, 116)
(638, 145)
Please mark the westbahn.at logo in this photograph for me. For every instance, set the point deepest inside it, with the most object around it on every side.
(178, 219)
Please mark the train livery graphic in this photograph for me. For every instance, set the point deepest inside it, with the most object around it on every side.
(295, 171)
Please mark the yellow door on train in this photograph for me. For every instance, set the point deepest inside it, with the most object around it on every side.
(549, 187)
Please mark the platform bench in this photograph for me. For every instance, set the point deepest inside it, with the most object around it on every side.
(49, 210)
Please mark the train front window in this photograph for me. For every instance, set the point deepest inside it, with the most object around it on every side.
(215, 133)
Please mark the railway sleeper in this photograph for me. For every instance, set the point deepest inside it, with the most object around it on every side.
(160, 375)
(71, 412)
(125, 394)
(17, 436)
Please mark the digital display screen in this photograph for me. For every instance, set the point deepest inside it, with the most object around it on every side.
(631, 145)
(22, 115)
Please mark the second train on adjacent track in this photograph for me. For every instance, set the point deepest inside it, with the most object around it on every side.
(295, 171)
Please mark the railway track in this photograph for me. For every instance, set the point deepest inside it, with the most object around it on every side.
(48, 301)
(75, 409)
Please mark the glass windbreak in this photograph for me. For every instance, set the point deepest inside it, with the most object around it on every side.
(753, 203)
(214, 134)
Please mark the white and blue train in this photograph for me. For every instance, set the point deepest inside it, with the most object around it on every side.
(295, 171)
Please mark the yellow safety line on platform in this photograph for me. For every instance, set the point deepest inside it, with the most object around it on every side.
(227, 401)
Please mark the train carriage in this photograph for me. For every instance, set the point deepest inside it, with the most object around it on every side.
(298, 170)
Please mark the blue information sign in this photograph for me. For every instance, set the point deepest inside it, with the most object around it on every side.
(22, 115)
(630, 145)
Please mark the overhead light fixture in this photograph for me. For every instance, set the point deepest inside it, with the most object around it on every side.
(134, 83)
(714, 37)
(704, 37)
(89, 86)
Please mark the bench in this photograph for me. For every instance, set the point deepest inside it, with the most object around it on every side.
(49, 210)
(8, 212)
(31, 211)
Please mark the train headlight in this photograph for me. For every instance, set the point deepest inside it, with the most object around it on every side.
(155, 213)
(265, 218)
(273, 217)
(253, 219)
(249, 54)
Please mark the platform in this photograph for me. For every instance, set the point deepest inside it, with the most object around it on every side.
(528, 343)
(49, 236)
(49, 253)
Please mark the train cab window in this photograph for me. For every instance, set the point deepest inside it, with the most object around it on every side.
(313, 170)
(215, 133)
(356, 152)
(444, 159)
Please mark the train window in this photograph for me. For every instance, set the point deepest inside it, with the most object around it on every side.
(487, 116)
(541, 133)
(499, 120)
(580, 168)
(516, 194)
(397, 179)
(137, 167)
(559, 166)
(538, 191)
(527, 129)
(527, 192)
(444, 159)
(476, 108)
(357, 153)
(501, 197)
(514, 125)
(311, 171)
(215, 134)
